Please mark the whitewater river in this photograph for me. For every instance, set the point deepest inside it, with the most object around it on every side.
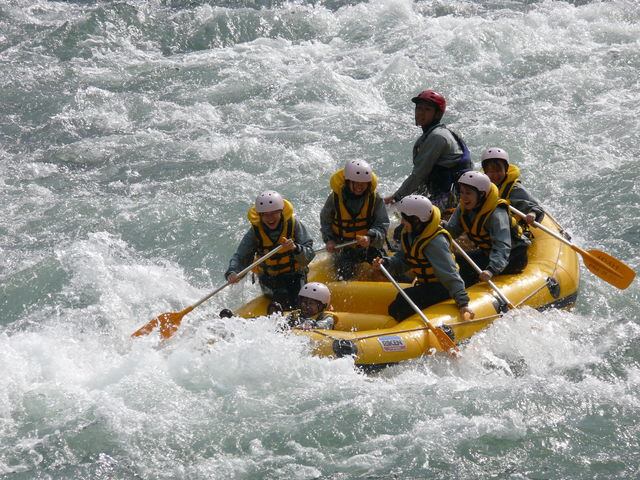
(134, 136)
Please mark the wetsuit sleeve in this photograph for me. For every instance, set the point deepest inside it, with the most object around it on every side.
(430, 151)
(244, 254)
(454, 226)
(500, 232)
(378, 231)
(439, 255)
(304, 244)
(326, 219)
(524, 202)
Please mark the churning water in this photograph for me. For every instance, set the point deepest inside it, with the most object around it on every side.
(134, 136)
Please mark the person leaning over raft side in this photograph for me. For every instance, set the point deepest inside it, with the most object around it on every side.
(439, 155)
(354, 211)
(506, 176)
(426, 250)
(314, 299)
(484, 216)
(273, 222)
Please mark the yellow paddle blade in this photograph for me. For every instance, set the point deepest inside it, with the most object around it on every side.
(608, 268)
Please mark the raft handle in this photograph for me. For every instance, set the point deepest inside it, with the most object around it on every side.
(449, 331)
(344, 348)
(500, 305)
(554, 287)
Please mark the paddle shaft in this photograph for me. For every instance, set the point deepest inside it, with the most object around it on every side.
(444, 344)
(170, 321)
(477, 269)
(564, 240)
(241, 274)
(542, 227)
(342, 245)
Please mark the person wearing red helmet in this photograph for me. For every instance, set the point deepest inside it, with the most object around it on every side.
(426, 252)
(273, 223)
(354, 211)
(439, 155)
(501, 246)
(506, 176)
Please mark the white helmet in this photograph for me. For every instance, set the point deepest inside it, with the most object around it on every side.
(316, 291)
(269, 201)
(416, 205)
(477, 180)
(494, 153)
(358, 171)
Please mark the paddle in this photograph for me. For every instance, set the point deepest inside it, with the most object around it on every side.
(445, 341)
(170, 321)
(342, 245)
(608, 268)
(477, 269)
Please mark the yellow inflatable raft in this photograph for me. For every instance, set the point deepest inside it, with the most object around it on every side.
(364, 329)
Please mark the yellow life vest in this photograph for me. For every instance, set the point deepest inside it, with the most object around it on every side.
(280, 262)
(344, 225)
(478, 232)
(413, 251)
(506, 187)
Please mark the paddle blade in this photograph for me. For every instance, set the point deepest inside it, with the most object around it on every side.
(608, 268)
(146, 329)
(445, 342)
(168, 323)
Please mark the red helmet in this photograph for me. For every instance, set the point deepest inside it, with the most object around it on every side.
(433, 97)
